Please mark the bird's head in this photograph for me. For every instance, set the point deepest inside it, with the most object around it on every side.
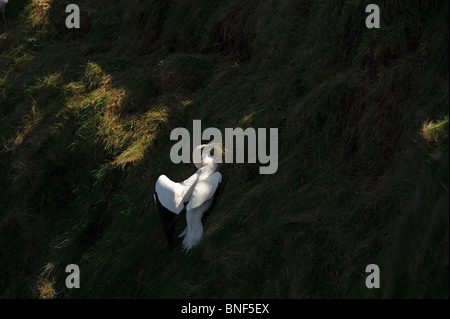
(202, 153)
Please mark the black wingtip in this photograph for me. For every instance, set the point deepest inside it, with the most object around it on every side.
(167, 220)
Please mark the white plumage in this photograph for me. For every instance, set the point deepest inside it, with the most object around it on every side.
(195, 194)
(173, 195)
(2, 9)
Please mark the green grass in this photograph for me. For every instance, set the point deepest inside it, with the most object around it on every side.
(85, 120)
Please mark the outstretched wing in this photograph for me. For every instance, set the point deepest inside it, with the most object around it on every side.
(173, 195)
(204, 190)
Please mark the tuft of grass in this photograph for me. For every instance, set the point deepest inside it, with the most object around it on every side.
(46, 290)
(94, 77)
(144, 133)
(39, 13)
(436, 132)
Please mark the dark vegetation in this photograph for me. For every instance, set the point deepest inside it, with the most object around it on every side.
(85, 118)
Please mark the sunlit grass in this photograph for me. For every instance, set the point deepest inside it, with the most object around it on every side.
(51, 80)
(30, 122)
(46, 289)
(145, 132)
(100, 108)
(184, 104)
(247, 119)
(95, 77)
(435, 131)
(39, 12)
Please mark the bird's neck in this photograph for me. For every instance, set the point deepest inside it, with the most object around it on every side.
(209, 166)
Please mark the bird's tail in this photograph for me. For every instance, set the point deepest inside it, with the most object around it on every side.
(192, 236)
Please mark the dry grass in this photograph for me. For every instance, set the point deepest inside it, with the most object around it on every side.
(435, 131)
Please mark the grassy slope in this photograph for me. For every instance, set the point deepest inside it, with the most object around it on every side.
(85, 118)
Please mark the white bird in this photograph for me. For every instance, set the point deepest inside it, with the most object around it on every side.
(2, 9)
(195, 195)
